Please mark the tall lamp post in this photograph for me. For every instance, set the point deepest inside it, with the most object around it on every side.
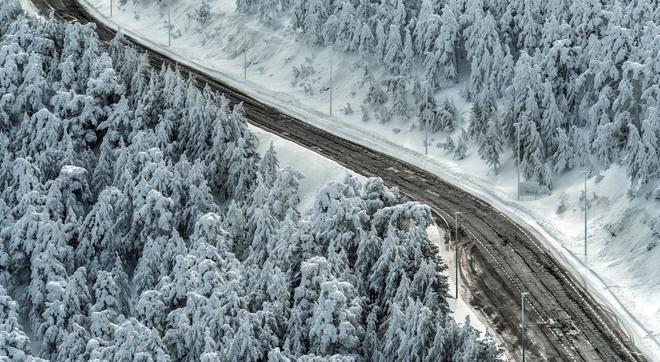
(169, 26)
(110, 8)
(245, 63)
(518, 154)
(586, 175)
(331, 50)
(522, 333)
(457, 213)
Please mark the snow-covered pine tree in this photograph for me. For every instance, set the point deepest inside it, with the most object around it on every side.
(283, 197)
(268, 166)
(486, 56)
(365, 40)
(483, 111)
(419, 330)
(74, 346)
(446, 54)
(199, 200)
(314, 17)
(490, 147)
(648, 155)
(335, 325)
(449, 145)
(103, 172)
(99, 239)
(105, 312)
(530, 27)
(460, 152)
(68, 304)
(393, 51)
(14, 343)
(243, 168)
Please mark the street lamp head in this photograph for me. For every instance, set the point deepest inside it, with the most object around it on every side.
(524, 294)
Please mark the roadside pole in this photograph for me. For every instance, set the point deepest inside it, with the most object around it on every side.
(110, 8)
(457, 213)
(169, 26)
(586, 175)
(331, 50)
(522, 334)
(518, 153)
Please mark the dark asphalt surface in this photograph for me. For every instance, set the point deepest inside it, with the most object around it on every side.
(500, 258)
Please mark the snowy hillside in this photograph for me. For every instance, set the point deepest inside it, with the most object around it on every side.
(139, 222)
(580, 79)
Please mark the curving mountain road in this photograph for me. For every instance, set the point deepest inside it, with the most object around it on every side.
(500, 258)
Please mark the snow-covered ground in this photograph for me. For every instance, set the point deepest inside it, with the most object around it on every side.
(623, 264)
(317, 170)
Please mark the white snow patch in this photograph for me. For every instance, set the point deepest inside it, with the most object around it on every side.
(316, 169)
(28, 7)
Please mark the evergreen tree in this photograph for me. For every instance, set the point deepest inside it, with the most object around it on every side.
(121, 280)
(393, 52)
(32, 92)
(105, 293)
(334, 323)
(200, 200)
(151, 310)
(446, 53)
(490, 148)
(242, 168)
(283, 197)
(365, 42)
(563, 158)
(486, 56)
(74, 346)
(314, 18)
(134, 339)
(268, 166)
(99, 239)
(14, 343)
(244, 344)
(460, 152)
(264, 234)
(419, 331)
(103, 172)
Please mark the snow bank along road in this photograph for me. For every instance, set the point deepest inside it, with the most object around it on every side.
(500, 258)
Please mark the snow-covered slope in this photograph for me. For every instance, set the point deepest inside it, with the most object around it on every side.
(622, 249)
(317, 171)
